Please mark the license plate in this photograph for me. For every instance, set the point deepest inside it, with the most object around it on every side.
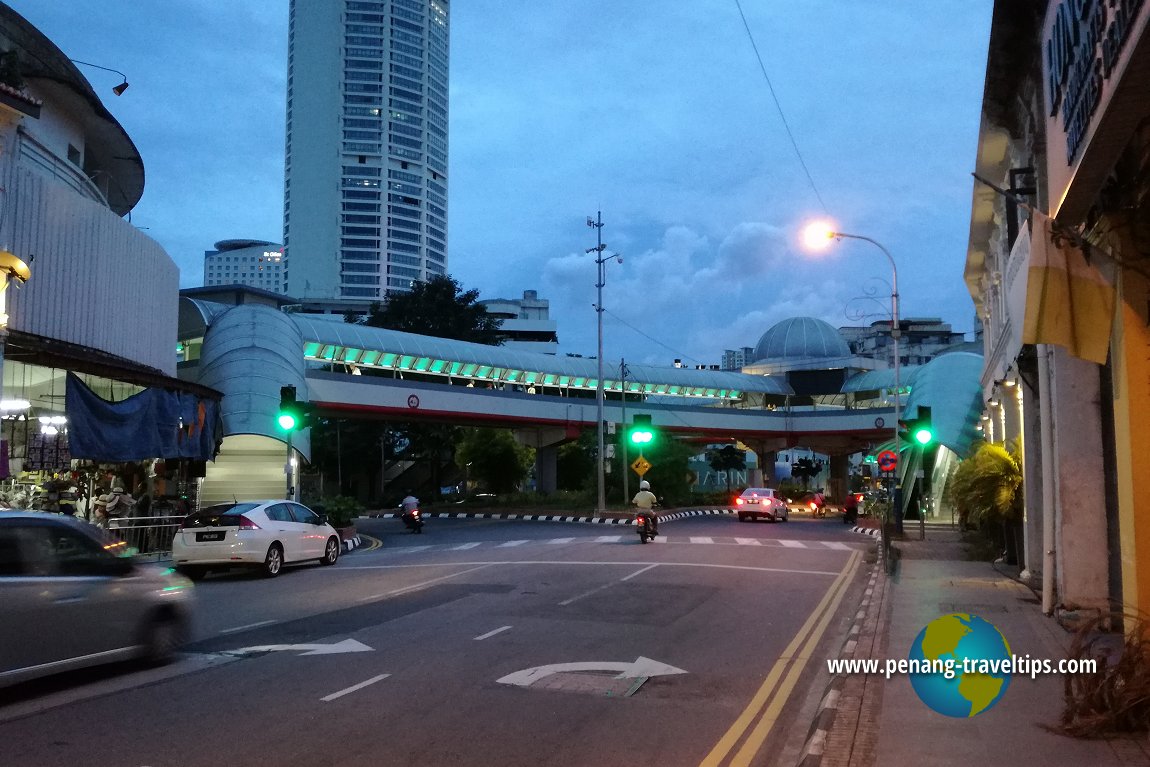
(216, 536)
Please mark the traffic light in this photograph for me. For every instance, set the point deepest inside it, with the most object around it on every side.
(919, 431)
(293, 415)
(641, 433)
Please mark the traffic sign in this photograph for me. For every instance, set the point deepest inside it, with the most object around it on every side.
(640, 465)
(887, 460)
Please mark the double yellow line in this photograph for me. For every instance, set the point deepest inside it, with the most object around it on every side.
(763, 710)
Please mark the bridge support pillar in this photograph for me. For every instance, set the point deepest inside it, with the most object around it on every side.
(547, 469)
(839, 478)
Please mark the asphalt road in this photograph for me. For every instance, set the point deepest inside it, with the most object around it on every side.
(481, 642)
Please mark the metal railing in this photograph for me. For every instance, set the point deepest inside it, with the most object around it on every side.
(146, 535)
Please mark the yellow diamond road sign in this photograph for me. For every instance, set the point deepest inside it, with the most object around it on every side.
(640, 465)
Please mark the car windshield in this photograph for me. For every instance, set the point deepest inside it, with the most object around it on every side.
(752, 492)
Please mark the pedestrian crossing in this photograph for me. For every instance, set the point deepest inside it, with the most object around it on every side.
(696, 540)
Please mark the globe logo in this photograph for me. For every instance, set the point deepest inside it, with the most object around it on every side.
(960, 665)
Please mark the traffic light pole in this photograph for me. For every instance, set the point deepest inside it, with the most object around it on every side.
(288, 470)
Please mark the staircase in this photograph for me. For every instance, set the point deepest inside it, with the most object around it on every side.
(248, 468)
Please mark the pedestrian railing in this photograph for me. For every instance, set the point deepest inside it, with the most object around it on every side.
(146, 535)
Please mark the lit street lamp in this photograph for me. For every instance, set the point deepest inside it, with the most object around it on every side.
(600, 260)
(817, 236)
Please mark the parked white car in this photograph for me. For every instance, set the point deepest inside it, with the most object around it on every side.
(261, 534)
(761, 503)
(71, 597)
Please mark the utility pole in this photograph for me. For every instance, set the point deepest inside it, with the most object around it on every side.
(622, 440)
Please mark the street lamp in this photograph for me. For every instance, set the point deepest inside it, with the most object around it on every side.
(600, 261)
(817, 236)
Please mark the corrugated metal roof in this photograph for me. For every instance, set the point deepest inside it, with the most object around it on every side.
(336, 337)
(873, 380)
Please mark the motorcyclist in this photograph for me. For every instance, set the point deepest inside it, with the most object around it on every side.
(644, 503)
(409, 504)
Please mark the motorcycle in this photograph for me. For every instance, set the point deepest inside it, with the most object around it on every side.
(816, 510)
(646, 525)
(412, 520)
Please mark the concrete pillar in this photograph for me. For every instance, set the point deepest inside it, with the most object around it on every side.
(839, 482)
(547, 469)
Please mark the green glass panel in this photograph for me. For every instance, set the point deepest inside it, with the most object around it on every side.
(674, 389)
(564, 380)
(469, 369)
(455, 368)
(579, 381)
(350, 355)
(549, 379)
(497, 374)
(531, 377)
(483, 371)
(437, 366)
(513, 375)
(388, 360)
(311, 349)
(370, 358)
(710, 392)
(423, 363)
(406, 361)
(329, 352)
(648, 388)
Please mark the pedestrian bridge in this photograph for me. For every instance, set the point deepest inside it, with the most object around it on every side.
(249, 352)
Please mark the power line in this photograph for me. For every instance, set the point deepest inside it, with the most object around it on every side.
(679, 354)
(779, 107)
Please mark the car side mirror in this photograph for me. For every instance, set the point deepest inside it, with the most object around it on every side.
(322, 520)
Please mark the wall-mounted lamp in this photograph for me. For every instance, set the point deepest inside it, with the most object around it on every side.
(992, 402)
(119, 89)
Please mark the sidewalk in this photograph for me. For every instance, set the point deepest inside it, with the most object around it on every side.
(881, 722)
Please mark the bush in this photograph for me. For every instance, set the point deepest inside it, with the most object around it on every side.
(340, 510)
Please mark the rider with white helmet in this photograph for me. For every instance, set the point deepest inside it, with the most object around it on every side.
(645, 501)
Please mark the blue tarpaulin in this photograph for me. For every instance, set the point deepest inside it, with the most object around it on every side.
(155, 423)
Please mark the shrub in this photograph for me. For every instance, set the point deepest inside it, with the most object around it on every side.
(340, 510)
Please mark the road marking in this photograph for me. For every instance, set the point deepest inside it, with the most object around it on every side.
(702, 539)
(560, 540)
(762, 697)
(759, 735)
(606, 586)
(794, 544)
(512, 543)
(637, 572)
(836, 545)
(748, 542)
(464, 546)
(335, 648)
(248, 626)
(372, 546)
(353, 688)
(418, 586)
(608, 539)
(481, 637)
(639, 667)
(410, 549)
(563, 563)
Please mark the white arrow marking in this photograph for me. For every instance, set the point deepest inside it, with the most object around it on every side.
(639, 667)
(347, 645)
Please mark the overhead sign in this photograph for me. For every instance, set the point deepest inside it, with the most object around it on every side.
(640, 465)
(887, 460)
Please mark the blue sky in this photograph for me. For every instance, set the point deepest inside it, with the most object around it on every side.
(656, 113)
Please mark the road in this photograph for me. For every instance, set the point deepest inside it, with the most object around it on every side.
(482, 642)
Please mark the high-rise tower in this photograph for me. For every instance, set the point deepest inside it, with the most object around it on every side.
(365, 193)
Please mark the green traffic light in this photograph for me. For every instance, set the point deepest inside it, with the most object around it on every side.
(923, 436)
(641, 437)
(287, 421)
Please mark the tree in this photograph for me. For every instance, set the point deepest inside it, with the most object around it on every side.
(726, 459)
(438, 307)
(494, 458)
(806, 469)
(986, 490)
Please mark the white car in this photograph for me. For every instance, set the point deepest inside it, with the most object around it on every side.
(73, 598)
(761, 502)
(262, 534)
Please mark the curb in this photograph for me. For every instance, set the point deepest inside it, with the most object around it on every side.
(669, 517)
(871, 531)
(351, 543)
(812, 753)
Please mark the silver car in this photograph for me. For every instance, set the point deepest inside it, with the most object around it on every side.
(71, 597)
